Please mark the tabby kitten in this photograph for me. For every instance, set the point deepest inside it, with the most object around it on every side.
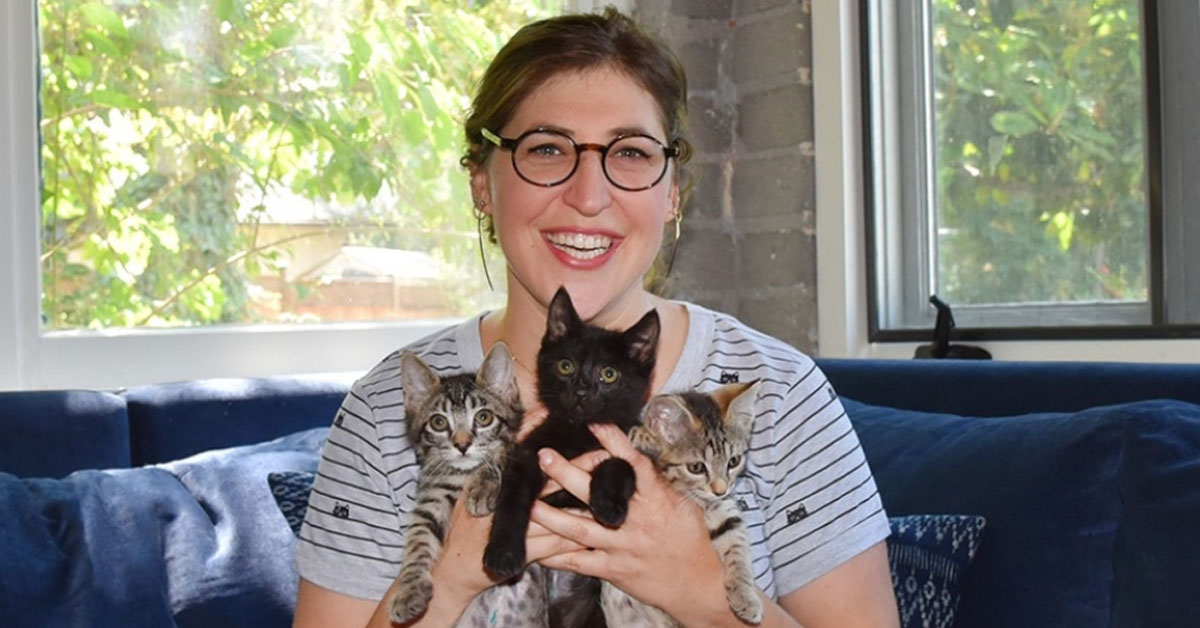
(585, 374)
(461, 426)
(698, 443)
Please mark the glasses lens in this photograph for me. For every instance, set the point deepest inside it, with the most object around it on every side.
(635, 162)
(544, 158)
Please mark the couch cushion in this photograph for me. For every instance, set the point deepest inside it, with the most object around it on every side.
(52, 433)
(1048, 486)
(170, 421)
(198, 542)
(1159, 542)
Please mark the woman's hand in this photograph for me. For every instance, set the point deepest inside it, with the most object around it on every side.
(663, 537)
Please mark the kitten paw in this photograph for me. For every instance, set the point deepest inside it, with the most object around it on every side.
(609, 510)
(411, 600)
(481, 498)
(503, 563)
(745, 603)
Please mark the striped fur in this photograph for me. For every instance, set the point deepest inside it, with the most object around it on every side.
(698, 443)
(462, 427)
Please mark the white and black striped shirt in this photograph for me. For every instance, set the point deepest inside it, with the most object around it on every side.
(807, 495)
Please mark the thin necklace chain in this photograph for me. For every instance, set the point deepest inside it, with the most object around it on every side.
(523, 367)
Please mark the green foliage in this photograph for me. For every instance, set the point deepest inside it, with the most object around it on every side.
(171, 127)
(1040, 162)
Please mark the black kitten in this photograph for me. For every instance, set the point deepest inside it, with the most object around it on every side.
(586, 374)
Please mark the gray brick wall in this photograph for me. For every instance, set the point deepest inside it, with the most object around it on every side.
(748, 245)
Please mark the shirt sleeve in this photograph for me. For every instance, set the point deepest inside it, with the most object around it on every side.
(352, 539)
(824, 507)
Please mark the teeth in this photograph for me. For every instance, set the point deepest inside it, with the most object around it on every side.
(579, 245)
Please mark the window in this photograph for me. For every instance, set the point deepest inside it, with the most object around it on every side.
(1027, 161)
(235, 188)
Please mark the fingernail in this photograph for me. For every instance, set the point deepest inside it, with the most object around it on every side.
(544, 458)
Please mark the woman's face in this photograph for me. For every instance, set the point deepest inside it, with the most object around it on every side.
(586, 234)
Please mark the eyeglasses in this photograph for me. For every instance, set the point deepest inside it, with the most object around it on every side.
(547, 158)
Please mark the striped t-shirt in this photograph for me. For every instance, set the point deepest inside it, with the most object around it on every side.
(807, 495)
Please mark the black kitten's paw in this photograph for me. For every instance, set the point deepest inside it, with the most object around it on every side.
(502, 562)
(610, 510)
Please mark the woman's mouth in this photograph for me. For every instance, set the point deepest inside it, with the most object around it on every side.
(580, 246)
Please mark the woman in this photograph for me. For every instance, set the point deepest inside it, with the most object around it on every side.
(595, 225)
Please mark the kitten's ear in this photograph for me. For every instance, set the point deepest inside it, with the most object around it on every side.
(420, 382)
(737, 404)
(561, 318)
(498, 373)
(668, 417)
(643, 338)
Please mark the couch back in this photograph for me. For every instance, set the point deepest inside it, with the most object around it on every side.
(995, 388)
(53, 433)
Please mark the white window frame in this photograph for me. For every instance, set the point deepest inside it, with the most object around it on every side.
(841, 241)
(119, 358)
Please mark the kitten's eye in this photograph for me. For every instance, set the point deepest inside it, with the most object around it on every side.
(735, 461)
(609, 375)
(565, 367)
(439, 423)
(484, 418)
(696, 468)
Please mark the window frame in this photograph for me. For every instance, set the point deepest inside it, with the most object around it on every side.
(900, 225)
(118, 358)
(841, 111)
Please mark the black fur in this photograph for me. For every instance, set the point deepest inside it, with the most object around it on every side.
(575, 397)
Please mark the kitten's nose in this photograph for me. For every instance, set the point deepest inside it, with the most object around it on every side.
(718, 487)
(462, 441)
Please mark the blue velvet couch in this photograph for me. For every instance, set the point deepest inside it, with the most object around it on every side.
(151, 506)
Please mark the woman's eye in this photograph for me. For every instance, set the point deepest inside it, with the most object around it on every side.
(735, 461)
(632, 154)
(565, 367)
(696, 468)
(609, 375)
(484, 418)
(439, 423)
(546, 150)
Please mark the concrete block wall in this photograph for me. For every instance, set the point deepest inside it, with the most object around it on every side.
(748, 243)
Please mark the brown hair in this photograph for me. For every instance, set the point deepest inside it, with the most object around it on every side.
(546, 48)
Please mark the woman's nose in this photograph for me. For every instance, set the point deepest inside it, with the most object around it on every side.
(588, 190)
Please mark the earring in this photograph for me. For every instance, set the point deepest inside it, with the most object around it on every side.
(480, 216)
(675, 244)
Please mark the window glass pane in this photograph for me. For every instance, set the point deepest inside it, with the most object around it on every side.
(220, 161)
(1039, 110)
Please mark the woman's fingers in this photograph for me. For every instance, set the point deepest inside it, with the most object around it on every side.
(584, 561)
(585, 462)
(578, 528)
(617, 443)
(565, 475)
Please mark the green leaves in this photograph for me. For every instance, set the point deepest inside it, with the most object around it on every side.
(1013, 123)
(1041, 164)
(104, 17)
(180, 137)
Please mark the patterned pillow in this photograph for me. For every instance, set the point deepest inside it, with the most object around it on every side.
(928, 555)
(291, 489)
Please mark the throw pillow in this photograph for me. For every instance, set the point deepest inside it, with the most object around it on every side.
(291, 489)
(928, 555)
